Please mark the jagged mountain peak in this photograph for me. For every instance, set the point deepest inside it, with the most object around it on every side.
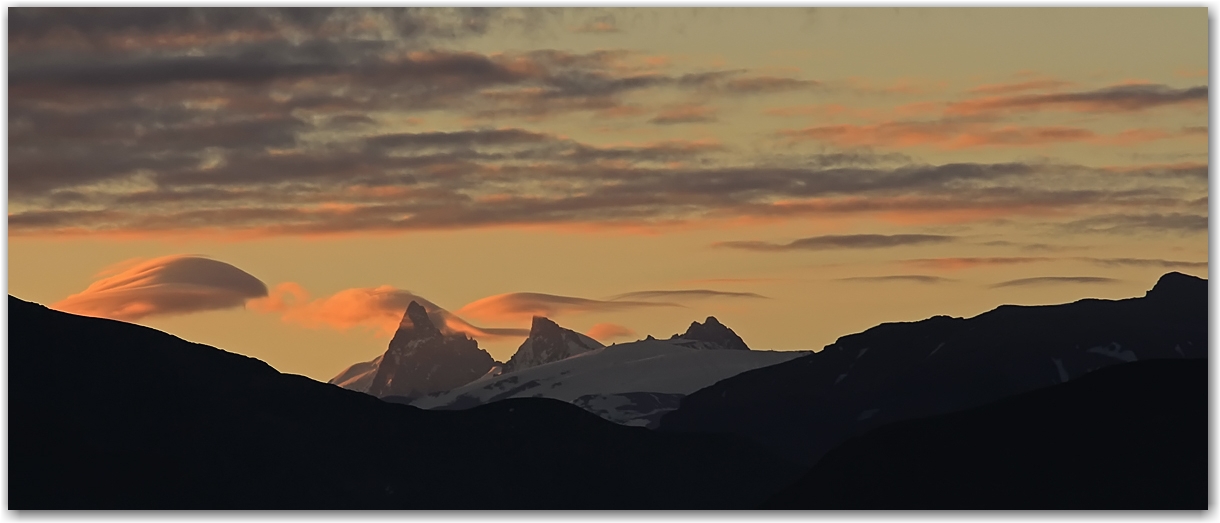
(541, 325)
(549, 342)
(417, 323)
(714, 332)
(421, 360)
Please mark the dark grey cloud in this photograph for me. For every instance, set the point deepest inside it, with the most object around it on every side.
(109, 27)
(1055, 280)
(913, 278)
(349, 120)
(1115, 98)
(554, 181)
(1034, 247)
(262, 120)
(1139, 223)
(684, 294)
(1145, 262)
(467, 138)
(767, 84)
(849, 241)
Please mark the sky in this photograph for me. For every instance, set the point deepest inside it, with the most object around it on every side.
(281, 183)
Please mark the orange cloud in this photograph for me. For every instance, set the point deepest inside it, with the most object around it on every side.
(525, 305)
(169, 285)
(376, 308)
(684, 113)
(901, 86)
(609, 331)
(837, 111)
(1019, 87)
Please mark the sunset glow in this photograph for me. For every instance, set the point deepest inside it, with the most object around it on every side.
(281, 183)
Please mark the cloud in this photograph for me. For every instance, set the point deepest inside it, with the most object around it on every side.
(169, 285)
(1055, 280)
(767, 84)
(850, 241)
(376, 308)
(524, 305)
(1048, 84)
(1145, 262)
(173, 27)
(563, 182)
(951, 264)
(609, 331)
(913, 278)
(600, 24)
(1118, 98)
(1033, 247)
(688, 113)
(966, 263)
(734, 280)
(958, 133)
(684, 294)
(247, 123)
(1139, 223)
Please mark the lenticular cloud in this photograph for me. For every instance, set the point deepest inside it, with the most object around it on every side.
(169, 285)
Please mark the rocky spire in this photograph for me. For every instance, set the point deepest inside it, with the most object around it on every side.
(549, 342)
(416, 324)
(421, 360)
(712, 331)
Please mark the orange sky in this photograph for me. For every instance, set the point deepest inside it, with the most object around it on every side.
(281, 183)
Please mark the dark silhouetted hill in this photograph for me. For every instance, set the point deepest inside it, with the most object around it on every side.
(1129, 436)
(105, 414)
(897, 371)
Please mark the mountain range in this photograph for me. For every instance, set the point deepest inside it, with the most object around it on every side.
(109, 415)
(632, 383)
(1091, 404)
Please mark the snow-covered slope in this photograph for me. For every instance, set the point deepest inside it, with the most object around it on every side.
(549, 342)
(606, 380)
(359, 376)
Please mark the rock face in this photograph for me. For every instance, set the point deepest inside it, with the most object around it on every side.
(549, 342)
(422, 360)
(715, 333)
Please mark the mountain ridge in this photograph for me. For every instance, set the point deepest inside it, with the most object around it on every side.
(896, 371)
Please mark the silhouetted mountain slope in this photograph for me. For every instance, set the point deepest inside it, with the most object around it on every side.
(104, 414)
(1130, 436)
(896, 371)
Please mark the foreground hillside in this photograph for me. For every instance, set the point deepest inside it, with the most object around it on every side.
(1130, 436)
(104, 414)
